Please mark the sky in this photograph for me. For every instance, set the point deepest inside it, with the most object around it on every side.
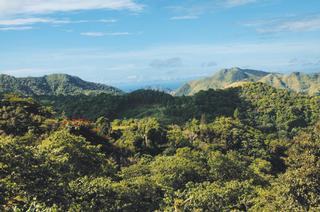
(139, 41)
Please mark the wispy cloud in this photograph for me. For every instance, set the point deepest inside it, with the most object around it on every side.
(209, 64)
(17, 28)
(21, 71)
(166, 63)
(31, 21)
(118, 33)
(305, 62)
(93, 34)
(236, 3)
(12, 7)
(198, 7)
(107, 20)
(186, 17)
(101, 34)
(114, 66)
(290, 24)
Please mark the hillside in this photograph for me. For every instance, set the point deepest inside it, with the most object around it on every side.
(246, 148)
(296, 81)
(55, 84)
(220, 80)
(299, 82)
(261, 106)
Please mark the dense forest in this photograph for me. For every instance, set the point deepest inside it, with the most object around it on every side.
(246, 148)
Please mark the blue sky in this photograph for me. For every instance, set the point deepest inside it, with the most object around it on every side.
(129, 41)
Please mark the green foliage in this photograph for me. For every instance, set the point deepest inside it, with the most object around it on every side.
(229, 196)
(74, 156)
(250, 148)
(104, 126)
(298, 188)
(278, 113)
(175, 171)
(20, 115)
(140, 135)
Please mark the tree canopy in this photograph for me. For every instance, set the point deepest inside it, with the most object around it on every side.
(250, 148)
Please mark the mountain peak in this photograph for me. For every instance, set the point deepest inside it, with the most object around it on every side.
(60, 76)
(221, 79)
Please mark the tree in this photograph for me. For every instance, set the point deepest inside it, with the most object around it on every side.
(231, 166)
(216, 196)
(173, 172)
(104, 126)
(148, 128)
(73, 156)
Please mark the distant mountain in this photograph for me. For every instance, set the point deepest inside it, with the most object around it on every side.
(55, 84)
(222, 79)
(296, 81)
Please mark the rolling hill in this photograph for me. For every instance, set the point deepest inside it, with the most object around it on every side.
(296, 81)
(55, 84)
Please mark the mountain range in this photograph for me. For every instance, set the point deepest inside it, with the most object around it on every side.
(296, 81)
(55, 84)
(63, 84)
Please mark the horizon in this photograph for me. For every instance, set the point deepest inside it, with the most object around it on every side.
(166, 86)
(122, 42)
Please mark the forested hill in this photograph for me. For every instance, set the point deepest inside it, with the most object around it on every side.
(55, 84)
(296, 81)
(245, 148)
(259, 105)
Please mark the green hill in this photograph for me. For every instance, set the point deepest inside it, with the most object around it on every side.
(299, 82)
(55, 84)
(260, 105)
(246, 148)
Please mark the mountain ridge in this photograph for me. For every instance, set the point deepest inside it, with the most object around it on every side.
(53, 84)
(295, 81)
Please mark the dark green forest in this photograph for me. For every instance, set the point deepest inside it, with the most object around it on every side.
(248, 148)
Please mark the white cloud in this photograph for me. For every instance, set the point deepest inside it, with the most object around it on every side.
(93, 34)
(14, 7)
(296, 26)
(117, 33)
(186, 17)
(107, 20)
(101, 34)
(287, 25)
(194, 8)
(29, 21)
(236, 3)
(18, 28)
